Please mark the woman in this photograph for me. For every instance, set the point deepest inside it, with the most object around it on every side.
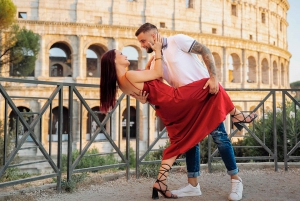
(189, 113)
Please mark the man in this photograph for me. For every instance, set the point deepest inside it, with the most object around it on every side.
(181, 66)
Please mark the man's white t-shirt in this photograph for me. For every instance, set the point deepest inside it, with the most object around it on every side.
(180, 67)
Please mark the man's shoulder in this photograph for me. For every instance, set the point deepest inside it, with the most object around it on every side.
(177, 36)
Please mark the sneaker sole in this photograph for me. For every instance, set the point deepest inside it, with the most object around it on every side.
(189, 194)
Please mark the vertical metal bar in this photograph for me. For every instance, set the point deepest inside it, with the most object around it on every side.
(128, 137)
(275, 130)
(110, 125)
(80, 129)
(148, 126)
(41, 129)
(295, 126)
(119, 127)
(59, 143)
(70, 134)
(137, 170)
(284, 132)
(16, 137)
(264, 137)
(50, 129)
(157, 122)
(5, 133)
(209, 160)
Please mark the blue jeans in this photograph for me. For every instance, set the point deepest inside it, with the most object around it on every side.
(224, 145)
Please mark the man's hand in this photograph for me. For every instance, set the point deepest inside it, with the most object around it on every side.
(213, 84)
(141, 96)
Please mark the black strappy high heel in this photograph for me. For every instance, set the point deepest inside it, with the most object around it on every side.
(160, 181)
(238, 123)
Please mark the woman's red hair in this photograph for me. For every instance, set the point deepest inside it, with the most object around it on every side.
(108, 81)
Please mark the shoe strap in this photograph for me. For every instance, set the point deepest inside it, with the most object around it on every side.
(162, 173)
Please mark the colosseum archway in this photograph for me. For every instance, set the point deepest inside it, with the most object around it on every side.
(282, 74)
(252, 75)
(237, 70)
(218, 63)
(265, 71)
(132, 55)
(60, 53)
(93, 57)
(275, 73)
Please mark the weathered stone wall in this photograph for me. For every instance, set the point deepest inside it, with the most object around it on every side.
(257, 48)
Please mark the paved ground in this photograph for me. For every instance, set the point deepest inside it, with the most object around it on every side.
(259, 184)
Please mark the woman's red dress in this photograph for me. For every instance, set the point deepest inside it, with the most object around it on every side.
(189, 112)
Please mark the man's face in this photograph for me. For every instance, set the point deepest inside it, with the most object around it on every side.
(145, 38)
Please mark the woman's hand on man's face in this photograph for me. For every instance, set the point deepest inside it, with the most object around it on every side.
(157, 43)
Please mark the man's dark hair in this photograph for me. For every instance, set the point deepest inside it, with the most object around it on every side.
(144, 28)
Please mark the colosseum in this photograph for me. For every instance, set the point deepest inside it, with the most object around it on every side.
(248, 39)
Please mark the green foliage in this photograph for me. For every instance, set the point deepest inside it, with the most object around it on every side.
(24, 52)
(263, 129)
(7, 14)
(11, 174)
(295, 84)
(151, 170)
(89, 161)
(19, 47)
(70, 186)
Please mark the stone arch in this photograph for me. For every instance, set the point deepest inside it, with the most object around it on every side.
(57, 70)
(93, 58)
(15, 125)
(218, 63)
(60, 52)
(275, 73)
(64, 40)
(132, 122)
(282, 75)
(235, 69)
(251, 74)
(91, 123)
(54, 117)
(132, 55)
(133, 44)
(99, 43)
(252, 107)
(265, 71)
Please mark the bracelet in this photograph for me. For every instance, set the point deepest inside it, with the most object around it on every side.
(157, 58)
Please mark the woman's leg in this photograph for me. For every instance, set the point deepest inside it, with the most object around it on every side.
(240, 117)
(161, 182)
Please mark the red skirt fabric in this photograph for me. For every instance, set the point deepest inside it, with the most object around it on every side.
(189, 112)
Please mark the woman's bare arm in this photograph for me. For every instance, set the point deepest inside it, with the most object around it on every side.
(151, 74)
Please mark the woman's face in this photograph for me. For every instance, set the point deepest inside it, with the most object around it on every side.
(121, 59)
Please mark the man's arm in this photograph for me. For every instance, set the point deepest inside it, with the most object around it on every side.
(209, 61)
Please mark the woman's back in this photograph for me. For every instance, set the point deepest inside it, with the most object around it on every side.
(128, 86)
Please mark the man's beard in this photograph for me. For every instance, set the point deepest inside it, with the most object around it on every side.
(149, 50)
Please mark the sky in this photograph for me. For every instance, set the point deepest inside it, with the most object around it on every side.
(293, 19)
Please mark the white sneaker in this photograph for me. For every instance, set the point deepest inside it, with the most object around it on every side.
(189, 190)
(236, 190)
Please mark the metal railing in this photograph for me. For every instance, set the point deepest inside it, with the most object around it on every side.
(74, 97)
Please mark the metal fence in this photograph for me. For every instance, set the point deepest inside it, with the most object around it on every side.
(50, 151)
